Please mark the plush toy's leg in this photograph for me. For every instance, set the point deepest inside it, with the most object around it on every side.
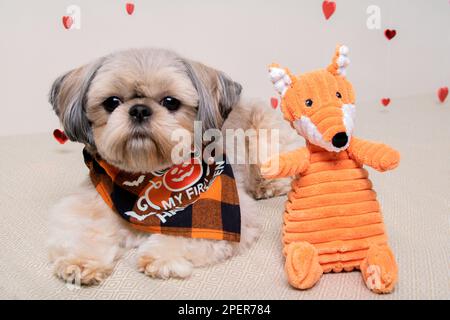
(379, 269)
(302, 265)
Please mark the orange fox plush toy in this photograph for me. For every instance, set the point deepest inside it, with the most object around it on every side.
(332, 220)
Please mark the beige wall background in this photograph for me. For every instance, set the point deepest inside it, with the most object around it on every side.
(238, 37)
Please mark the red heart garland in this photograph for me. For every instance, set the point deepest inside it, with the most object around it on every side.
(60, 136)
(328, 8)
(442, 94)
(385, 101)
(390, 34)
(274, 102)
(130, 8)
(67, 21)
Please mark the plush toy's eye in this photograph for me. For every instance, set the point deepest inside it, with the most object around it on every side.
(170, 103)
(111, 103)
(338, 94)
(309, 103)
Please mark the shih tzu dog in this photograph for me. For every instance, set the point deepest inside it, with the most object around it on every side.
(124, 108)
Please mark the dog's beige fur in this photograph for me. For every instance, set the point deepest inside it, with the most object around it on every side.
(86, 237)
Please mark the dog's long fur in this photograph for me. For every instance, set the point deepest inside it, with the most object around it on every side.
(86, 238)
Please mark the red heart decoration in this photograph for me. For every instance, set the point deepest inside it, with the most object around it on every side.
(390, 33)
(130, 8)
(442, 94)
(60, 136)
(274, 102)
(328, 8)
(385, 101)
(67, 21)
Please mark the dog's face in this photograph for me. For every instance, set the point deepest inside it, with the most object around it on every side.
(127, 105)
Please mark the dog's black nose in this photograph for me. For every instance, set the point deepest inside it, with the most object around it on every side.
(140, 112)
(340, 140)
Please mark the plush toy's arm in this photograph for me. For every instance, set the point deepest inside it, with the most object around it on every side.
(286, 164)
(376, 155)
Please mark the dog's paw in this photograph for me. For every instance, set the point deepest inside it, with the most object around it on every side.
(81, 272)
(270, 188)
(176, 267)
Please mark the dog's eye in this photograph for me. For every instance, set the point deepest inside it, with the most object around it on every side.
(338, 94)
(309, 103)
(170, 103)
(111, 103)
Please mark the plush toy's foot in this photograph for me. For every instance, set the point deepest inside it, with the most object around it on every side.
(302, 265)
(379, 269)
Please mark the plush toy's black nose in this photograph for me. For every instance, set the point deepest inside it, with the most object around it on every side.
(340, 140)
(140, 112)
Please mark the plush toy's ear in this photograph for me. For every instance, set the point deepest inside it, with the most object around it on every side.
(281, 78)
(340, 61)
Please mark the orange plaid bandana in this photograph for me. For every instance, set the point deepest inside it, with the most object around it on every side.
(195, 199)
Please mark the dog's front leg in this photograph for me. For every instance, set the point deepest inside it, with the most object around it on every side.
(163, 256)
(86, 238)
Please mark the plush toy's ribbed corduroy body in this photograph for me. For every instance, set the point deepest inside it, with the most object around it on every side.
(332, 220)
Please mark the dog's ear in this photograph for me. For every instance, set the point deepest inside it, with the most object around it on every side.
(217, 93)
(68, 97)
